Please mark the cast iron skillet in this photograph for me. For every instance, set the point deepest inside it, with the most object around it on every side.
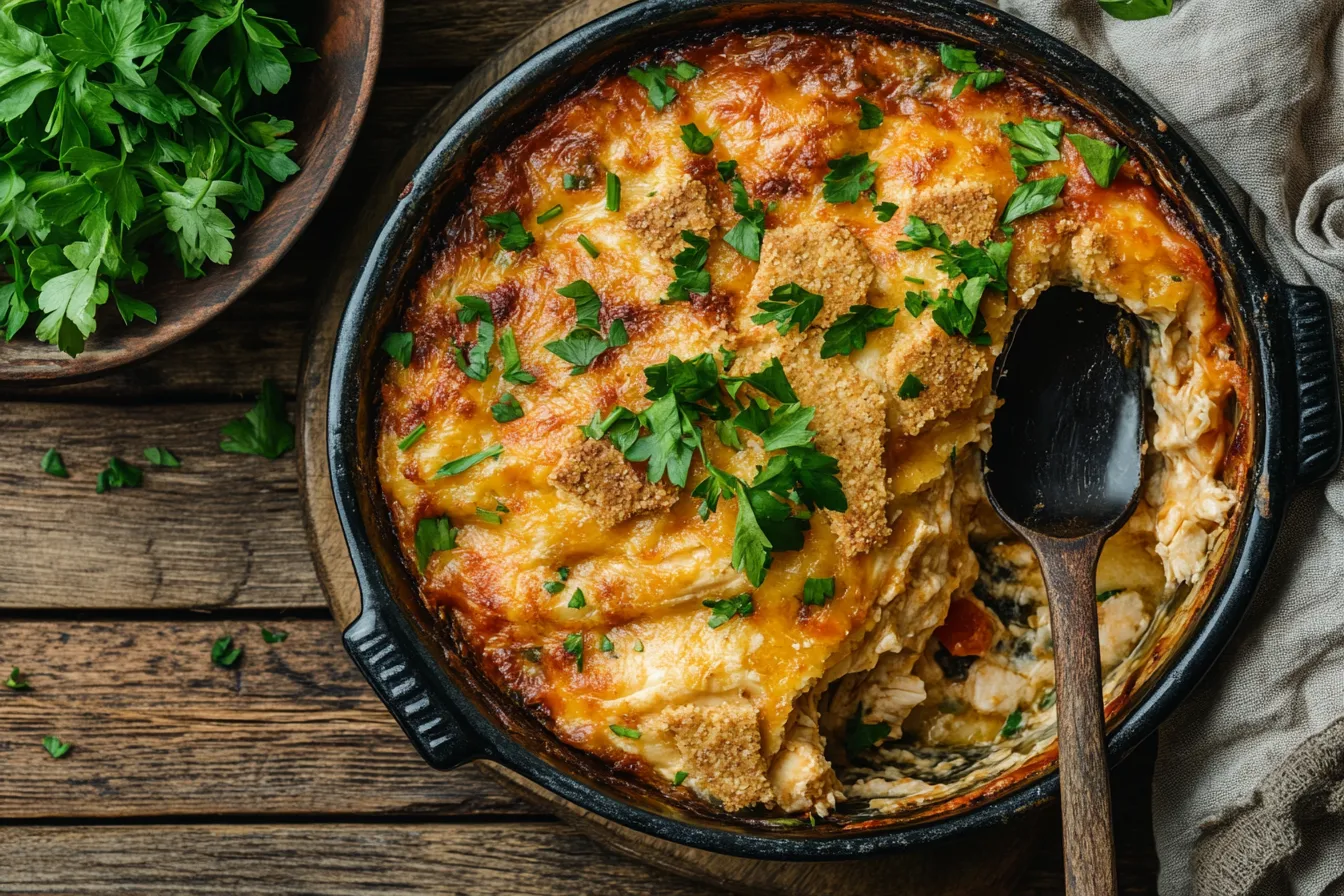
(447, 707)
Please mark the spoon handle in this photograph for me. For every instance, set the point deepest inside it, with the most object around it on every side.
(1069, 568)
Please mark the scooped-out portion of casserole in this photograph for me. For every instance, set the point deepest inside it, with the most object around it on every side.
(683, 427)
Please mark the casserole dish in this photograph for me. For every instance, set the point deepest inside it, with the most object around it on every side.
(449, 708)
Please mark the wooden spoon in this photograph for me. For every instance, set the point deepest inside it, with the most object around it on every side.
(1064, 472)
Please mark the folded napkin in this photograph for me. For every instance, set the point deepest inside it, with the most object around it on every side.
(1248, 795)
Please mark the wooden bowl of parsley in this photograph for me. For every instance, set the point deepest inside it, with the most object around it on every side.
(157, 158)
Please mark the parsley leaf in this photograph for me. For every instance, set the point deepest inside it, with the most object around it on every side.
(723, 610)
(1135, 10)
(273, 637)
(870, 115)
(653, 78)
(679, 777)
(587, 305)
(861, 736)
(119, 474)
(1032, 142)
(161, 457)
(771, 380)
(1012, 724)
(622, 731)
(507, 409)
(514, 237)
(264, 430)
(53, 465)
(688, 269)
(1033, 196)
(817, 591)
(848, 178)
(55, 746)
(223, 653)
(584, 343)
(885, 210)
(476, 362)
(433, 534)
(17, 681)
(789, 305)
(958, 60)
(923, 235)
(462, 464)
(575, 182)
(748, 232)
(850, 331)
(1104, 596)
(911, 387)
(574, 647)
(727, 170)
(606, 645)
(513, 364)
(696, 142)
(1102, 159)
(580, 348)
(577, 601)
(552, 587)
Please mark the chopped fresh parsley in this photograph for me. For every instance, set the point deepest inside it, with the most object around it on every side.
(475, 363)
(923, 235)
(861, 736)
(264, 430)
(161, 457)
(575, 182)
(727, 170)
(850, 331)
(784, 427)
(17, 681)
(916, 280)
(514, 237)
(911, 387)
(679, 777)
(577, 601)
(1047, 699)
(563, 573)
(613, 193)
(1032, 142)
(273, 637)
(584, 343)
(653, 78)
(223, 653)
(1104, 596)
(399, 347)
(688, 269)
(696, 142)
(412, 437)
(885, 210)
(1012, 724)
(723, 610)
(506, 409)
(1103, 160)
(53, 465)
(958, 60)
(622, 731)
(870, 115)
(574, 647)
(119, 474)
(513, 365)
(1033, 196)
(553, 587)
(551, 213)
(748, 232)
(639, 646)
(55, 746)
(789, 305)
(433, 534)
(1135, 10)
(606, 645)
(957, 312)
(587, 305)
(849, 177)
(817, 591)
(588, 246)
(462, 464)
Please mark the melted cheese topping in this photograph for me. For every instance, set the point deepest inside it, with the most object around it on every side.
(755, 710)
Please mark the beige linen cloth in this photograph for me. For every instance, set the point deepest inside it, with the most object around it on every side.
(1249, 791)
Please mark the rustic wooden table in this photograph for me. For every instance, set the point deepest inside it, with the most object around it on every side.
(283, 774)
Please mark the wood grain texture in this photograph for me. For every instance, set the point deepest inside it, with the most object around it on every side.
(160, 731)
(224, 530)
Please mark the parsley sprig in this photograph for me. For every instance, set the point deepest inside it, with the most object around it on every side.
(585, 342)
(789, 305)
(849, 178)
(688, 269)
(1032, 142)
(958, 60)
(653, 78)
(749, 231)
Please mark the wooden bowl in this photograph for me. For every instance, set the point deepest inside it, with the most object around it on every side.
(330, 98)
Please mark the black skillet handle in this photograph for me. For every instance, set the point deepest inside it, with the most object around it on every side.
(1315, 386)
(393, 660)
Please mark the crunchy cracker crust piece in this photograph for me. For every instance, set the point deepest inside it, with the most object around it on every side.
(721, 747)
(951, 368)
(660, 221)
(597, 475)
(819, 256)
(966, 209)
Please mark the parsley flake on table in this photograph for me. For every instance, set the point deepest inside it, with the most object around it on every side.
(817, 591)
(412, 437)
(513, 364)
(1135, 10)
(399, 347)
(223, 653)
(462, 464)
(513, 236)
(723, 610)
(1033, 196)
(577, 600)
(17, 681)
(161, 457)
(119, 474)
(1011, 724)
(727, 170)
(574, 647)
(789, 305)
(861, 736)
(958, 60)
(54, 465)
(507, 409)
(55, 747)
(870, 115)
(911, 387)
(849, 178)
(264, 430)
(1103, 160)
(748, 232)
(696, 142)
(688, 269)
(622, 731)
(273, 637)
(850, 331)
(433, 534)
(653, 78)
(1031, 143)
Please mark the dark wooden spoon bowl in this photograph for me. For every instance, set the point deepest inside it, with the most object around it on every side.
(330, 98)
(1064, 472)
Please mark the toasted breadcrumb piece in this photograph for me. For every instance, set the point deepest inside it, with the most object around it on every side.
(720, 746)
(595, 473)
(851, 425)
(966, 209)
(821, 257)
(660, 221)
(951, 368)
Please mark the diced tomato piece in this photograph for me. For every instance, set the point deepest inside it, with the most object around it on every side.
(968, 629)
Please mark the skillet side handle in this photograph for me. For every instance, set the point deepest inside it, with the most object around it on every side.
(390, 660)
(1315, 388)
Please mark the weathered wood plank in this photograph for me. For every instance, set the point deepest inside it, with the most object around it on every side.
(431, 36)
(328, 859)
(224, 530)
(158, 730)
